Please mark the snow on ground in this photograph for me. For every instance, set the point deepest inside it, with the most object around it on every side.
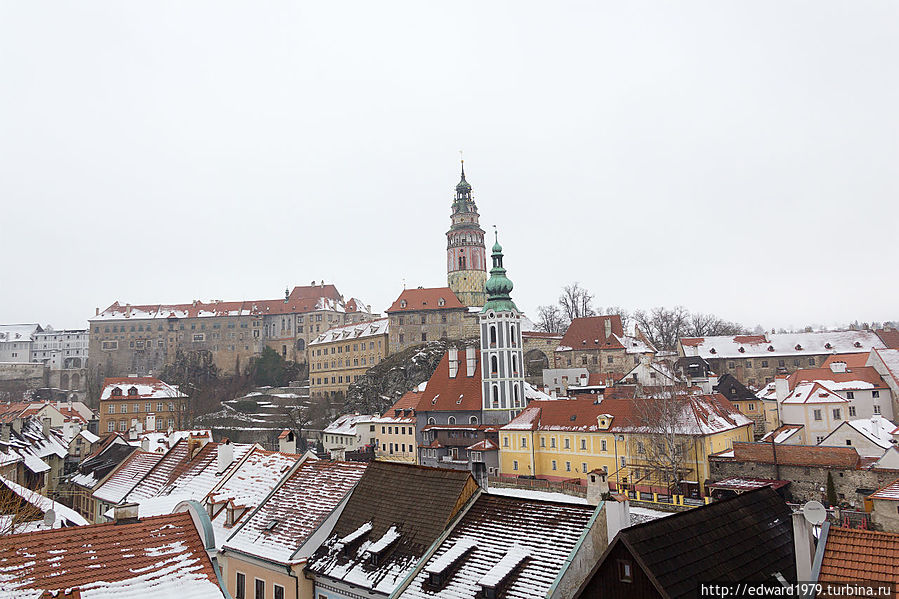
(640, 515)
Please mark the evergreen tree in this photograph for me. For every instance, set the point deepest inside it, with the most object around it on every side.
(831, 490)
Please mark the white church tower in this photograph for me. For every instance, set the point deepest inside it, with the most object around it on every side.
(502, 369)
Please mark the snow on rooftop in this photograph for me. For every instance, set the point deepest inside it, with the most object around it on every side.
(459, 548)
(63, 515)
(781, 344)
(812, 393)
(514, 556)
(346, 425)
(538, 495)
(782, 434)
(350, 332)
(386, 540)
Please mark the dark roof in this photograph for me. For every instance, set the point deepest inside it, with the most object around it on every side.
(547, 531)
(745, 538)
(418, 501)
(734, 390)
(102, 464)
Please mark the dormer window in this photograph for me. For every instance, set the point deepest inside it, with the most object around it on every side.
(798, 347)
(501, 574)
(441, 302)
(742, 350)
(828, 346)
(116, 392)
(770, 348)
(713, 351)
(443, 568)
(132, 391)
(857, 344)
(378, 549)
(402, 303)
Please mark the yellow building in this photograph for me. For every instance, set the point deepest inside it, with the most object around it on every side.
(563, 440)
(395, 439)
(341, 355)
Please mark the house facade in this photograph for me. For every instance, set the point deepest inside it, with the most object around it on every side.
(339, 356)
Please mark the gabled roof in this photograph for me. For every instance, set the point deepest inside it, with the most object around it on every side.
(346, 424)
(813, 393)
(459, 393)
(247, 485)
(890, 359)
(782, 433)
(856, 360)
(861, 555)
(877, 430)
(744, 538)
(794, 455)
(352, 332)
(857, 377)
(545, 532)
(400, 506)
(733, 389)
(590, 333)
(889, 492)
(93, 469)
(126, 476)
(429, 298)
(155, 558)
(408, 401)
(295, 509)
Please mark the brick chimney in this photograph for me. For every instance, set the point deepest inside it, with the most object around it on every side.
(126, 513)
(838, 367)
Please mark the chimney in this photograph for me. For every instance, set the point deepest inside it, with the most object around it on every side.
(838, 367)
(126, 513)
(608, 323)
(145, 444)
(804, 546)
(225, 455)
(193, 447)
(287, 443)
(875, 424)
(470, 361)
(618, 516)
(4, 432)
(45, 427)
(781, 387)
(127, 310)
(98, 312)
(597, 486)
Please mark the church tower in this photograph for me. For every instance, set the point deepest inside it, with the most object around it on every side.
(502, 370)
(466, 256)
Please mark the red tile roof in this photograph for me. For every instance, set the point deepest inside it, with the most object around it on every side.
(590, 333)
(861, 555)
(164, 553)
(796, 455)
(865, 374)
(462, 393)
(851, 360)
(425, 299)
(409, 401)
(890, 337)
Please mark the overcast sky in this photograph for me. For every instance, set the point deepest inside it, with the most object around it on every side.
(736, 158)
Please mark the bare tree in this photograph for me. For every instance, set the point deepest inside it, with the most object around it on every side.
(16, 512)
(663, 326)
(576, 302)
(663, 445)
(550, 319)
(626, 317)
(704, 325)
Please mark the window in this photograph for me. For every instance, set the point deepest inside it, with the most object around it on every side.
(111, 409)
(542, 442)
(159, 407)
(609, 360)
(748, 363)
(583, 466)
(876, 409)
(279, 592)
(260, 589)
(568, 466)
(731, 365)
(552, 442)
(875, 394)
(603, 445)
(625, 571)
(567, 443)
(850, 395)
(524, 442)
(241, 591)
(848, 441)
(640, 448)
(836, 414)
(817, 414)
(554, 464)
(781, 363)
(583, 445)
(811, 361)
(514, 464)
(851, 411)
(505, 441)
(751, 406)
(124, 408)
(110, 426)
(764, 363)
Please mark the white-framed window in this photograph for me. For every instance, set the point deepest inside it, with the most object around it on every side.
(278, 591)
(110, 426)
(816, 414)
(514, 464)
(240, 590)
(876, 409)
(603, 445)
(111, 409)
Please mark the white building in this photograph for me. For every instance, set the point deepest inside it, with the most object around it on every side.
(870, 437)
(812, 405)
(16, 341)
(350, 432)
(63, 349)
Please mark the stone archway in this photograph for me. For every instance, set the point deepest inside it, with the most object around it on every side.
(535, 361)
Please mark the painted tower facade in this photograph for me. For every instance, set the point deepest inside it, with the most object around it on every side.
(466, 255)
(502, 370)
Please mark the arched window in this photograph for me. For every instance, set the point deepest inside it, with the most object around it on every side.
(451, 420)
(473, 420)
(494, 399)
(494, 365)
(492, 336)
(432, 420)
(76, 381)
(514, 364)
(515, 396)
(132, 391)
(512, 336)
(116, 392)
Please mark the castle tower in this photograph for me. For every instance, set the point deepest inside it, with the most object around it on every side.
(466, 255)
(502, 365)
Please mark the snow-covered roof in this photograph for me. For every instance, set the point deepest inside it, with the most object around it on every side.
(350, 332)
(156, 558)
(346, 424)
(124, 478)
(537, 495)
(782, 433)
(88, 436)
(890, 359)
(519, 545)
(246, 487)
(64, 516)
(296, 508)
(144, 387)
(18, 332)
(876, 429)
(781, 344)
(813, 393)
(633, 345)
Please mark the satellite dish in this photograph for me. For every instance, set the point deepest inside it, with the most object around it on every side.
(814, 512)
(49, 518)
